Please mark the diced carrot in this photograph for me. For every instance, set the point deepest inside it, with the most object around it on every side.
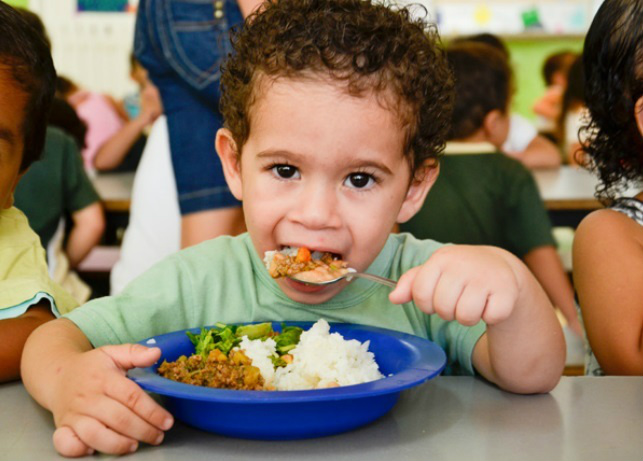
(303, 255)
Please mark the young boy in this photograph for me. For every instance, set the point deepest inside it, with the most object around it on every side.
(483, 197)
(332, 131)
(28, 297)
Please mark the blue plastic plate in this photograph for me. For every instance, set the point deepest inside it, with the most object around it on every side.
(405, 361)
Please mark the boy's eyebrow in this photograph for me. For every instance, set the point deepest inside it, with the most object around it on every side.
(354, 164)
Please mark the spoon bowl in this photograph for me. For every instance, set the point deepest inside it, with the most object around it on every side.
(348, 276)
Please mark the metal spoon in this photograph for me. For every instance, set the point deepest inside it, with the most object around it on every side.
(348, 276)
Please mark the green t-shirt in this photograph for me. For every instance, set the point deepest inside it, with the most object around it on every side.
(224, 280)
(54, 186)
(24, 279)
(483, 198)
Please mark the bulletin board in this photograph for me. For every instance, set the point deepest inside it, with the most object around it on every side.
(514, 17)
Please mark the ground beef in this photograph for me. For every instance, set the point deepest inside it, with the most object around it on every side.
(218, 371)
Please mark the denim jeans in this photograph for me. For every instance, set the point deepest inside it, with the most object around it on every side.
(182, 43)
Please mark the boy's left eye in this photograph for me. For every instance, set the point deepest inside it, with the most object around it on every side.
(360, 180)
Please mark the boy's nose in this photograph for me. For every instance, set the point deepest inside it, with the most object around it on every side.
(317, 208)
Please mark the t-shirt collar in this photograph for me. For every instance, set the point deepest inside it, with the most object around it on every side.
(461, 148)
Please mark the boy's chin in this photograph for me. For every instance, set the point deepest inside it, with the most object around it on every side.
(309, 294)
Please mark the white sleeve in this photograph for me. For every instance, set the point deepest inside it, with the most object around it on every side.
(521, 133)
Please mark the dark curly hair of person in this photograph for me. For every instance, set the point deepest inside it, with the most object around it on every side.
(25, 55)
(483, 83)
(369, 48)
(613, 64)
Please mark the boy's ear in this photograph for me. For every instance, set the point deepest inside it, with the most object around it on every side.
(421, 183)
(230, 160)
(638, 114)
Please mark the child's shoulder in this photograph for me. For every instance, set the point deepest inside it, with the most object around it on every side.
(14, 228)
(608, 227)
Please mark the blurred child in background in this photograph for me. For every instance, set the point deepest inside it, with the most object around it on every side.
(573, 115)
(28, 297)
(548, 106)
(111, 137)
(481, 196)
(57, 187)
(608, 248)
(523, 141)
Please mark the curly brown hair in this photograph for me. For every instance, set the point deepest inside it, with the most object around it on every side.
(369, 48)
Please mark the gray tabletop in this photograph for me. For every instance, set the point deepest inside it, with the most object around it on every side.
(448, 418)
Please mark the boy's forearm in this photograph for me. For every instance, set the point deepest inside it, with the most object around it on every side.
(526, 352)
(14, 333)
(44, 356)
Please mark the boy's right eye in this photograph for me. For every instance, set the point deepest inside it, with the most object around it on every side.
(285, 171)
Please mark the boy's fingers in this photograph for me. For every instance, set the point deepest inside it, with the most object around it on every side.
(470, 306)
(448, 289)
(127, 356)
(67, 443)
(128, 393)
(402, 292)
(103, 439)
(424, 286)
(499, 307)
(124, 421)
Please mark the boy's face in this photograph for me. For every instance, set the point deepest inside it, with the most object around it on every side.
(324, 170)
(13, 101)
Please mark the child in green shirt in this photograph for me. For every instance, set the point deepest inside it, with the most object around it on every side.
(335, 112)
(28, 297)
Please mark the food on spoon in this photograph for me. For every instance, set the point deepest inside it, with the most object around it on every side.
(290, 360)
(303, 265)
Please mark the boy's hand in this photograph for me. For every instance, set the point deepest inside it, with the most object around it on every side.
(96, 407)
(463, 283)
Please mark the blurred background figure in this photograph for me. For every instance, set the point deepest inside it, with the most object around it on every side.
(182, 45)
(523, 141)
(56, 190)
(548, 106)
(573, 115)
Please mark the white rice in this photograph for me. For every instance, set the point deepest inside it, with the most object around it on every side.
(321, 359)
(260, 352)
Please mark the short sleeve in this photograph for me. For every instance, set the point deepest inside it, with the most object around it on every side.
(521, 134)
(157, 302)
(24, 278)
(78, 191)
(527, 221)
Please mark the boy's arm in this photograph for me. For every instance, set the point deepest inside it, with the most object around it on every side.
(14, 333)
(545, 264)
(95, 406)
(523, 349)
(88, 228)
(525, 353)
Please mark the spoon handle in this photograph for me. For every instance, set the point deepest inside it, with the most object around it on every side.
(374, 278)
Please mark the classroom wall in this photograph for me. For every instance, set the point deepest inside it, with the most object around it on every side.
(90, 48)
(528, 56)
(93, 50)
